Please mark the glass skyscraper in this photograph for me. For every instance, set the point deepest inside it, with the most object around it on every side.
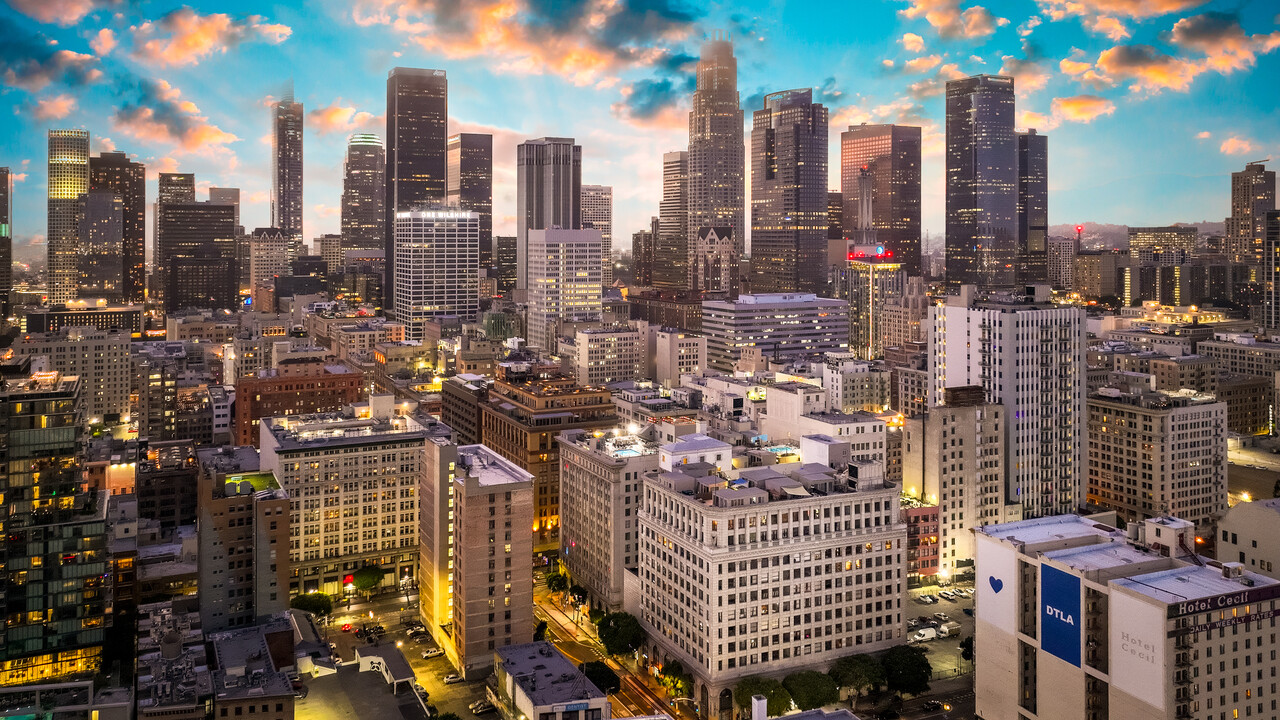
(286, 174)
(469, 184)
(68, 180)
(715, 165)
(114, 171)
(364, 190)
(1033, 207)
(891, 154)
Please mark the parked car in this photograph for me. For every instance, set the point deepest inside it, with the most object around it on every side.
(931, 706)
(912, 624)
(417, 687)
(433, 652)
(968, 611)
(482, 709)
(422, 638)
(346, 627)
(452, 679)
(478, 703)
(949, 629)
(942, 617)
(922, 635)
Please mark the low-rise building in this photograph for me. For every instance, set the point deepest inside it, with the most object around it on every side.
(248, 680)
(1249, 533)
(674, 352)
(294, 387)
(535, 680)
(1249, 400)
(605, 354)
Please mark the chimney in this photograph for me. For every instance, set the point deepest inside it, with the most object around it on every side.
(759, 707)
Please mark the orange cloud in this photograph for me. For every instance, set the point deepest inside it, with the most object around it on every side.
(1236, 146)
(55, 107)
(18, 177)
(937, 84)
(1149, 69)
(1225, 44)
(1028, 75)
(103, 144)
(950, 21)
(184, 37)
(1135, 9)
(338, 118)
(61, 12)
(157, 113)
(103, 42)
(1108, 26)
(1203, 135)
(324, 211)
(922, 64)
(1032, 119)
(156, 166)
(1082, 108)
(912, 42)
(1031, 24)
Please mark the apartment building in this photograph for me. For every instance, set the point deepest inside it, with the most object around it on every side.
(99, 357)
(780, 324)
(608, 353)
(1249, 533)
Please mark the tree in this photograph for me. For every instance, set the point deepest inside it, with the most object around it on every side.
(367, 577)
(966, 648)
(578, 593)
(317, 603)
(602, 676)
(674, 678)
(858, 673)
(540, 632)
(620, 633)
(556, 582)
(1110, 301)
(811, 689)
(779, 700)
(906, 669)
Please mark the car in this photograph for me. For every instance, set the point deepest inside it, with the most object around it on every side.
(346, 627)
(417, 687)
(482, 709)
(451, 679)
(931, 706)
(412, 632)
(912, 624)
(923, 618)
(941, 617)
(433, 652)
(379, 629)
(422, 638)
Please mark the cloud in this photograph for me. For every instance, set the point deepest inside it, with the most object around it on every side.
(54, 107)
(887, 63)
(103, 42)
(950, 21)
(1027, 72)
(912, 42)
(60, 12)
(658, 101)
(1032, 23)
(1134, 9)
(936, 85)
(922, 64)
(156, 166)
(258, 197)
(1084, 71)
(1108, 26)
(1203, 135)
(325, 211)
(1082, 108)
(339, 118)
(154, 111)
(1221, 39)
(18, 177)
(1032, 119)
(828, 92)
(1236, 146)
(102, 144)
(1149, 69)
(32, 63)
(977, 59)
(184, 37)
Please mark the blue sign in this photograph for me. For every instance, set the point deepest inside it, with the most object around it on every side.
(1060, 614)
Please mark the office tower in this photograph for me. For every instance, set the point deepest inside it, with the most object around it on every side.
(196, 255)
(715, 170)
(548, 193)
(835, 215)
(268, 260)
(891, 153)
(1098, 274)
(505, 263)
(671, 254)
(564, 282)
(1271, 271)
(869, 281)
(100, 358)
(1075, 619)
(99, 256)
(982, 182)
(228, 196)
(1162, 239)
(472, 498)
(68, 180)
(1061, 263)
(416, 165)
(55, 541)
(114, 171)
(329, 247)
(997, 343)
(6, 240)
(437, 266)
(902, 316)
(1033, 206)
(364, 189)
(1253, 195)
(597, 212)
(789, 194)
(176, 188)
(469, 183)
(642, 255)
(286, 170)
(779, 324)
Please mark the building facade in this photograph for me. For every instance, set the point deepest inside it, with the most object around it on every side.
(1253, 195)
(68, 180)
(1033, 206)
(714, 169)
(780, 324)
(469, 185)
(364, 192)
(597, 212)
(891, 154)
(437, 267)
(870, 280)
(563, 281)
(100, 358)
(115, 172)
(286, 170)
(548, 194)
(671, 250)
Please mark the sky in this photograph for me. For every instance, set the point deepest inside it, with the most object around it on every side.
(1149, 104)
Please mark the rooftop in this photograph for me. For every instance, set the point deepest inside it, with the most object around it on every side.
(544, 675)
(1192, 582)
(297, 432)
(245, 668)
(489, 468)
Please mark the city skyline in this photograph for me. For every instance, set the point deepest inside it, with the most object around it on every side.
(128, 79)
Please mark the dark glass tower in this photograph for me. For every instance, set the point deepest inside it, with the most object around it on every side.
(548, 193)
(982, 182)
(1253, 195)
(789, 194)
(100, 257)
(286, 172)
(469, 183)
(6, 240)
(891, 153)
(197, 247)
(715, 165)
(1033, 207)
(671, 269)
(364, 191)
(114, 171)
(417, 132)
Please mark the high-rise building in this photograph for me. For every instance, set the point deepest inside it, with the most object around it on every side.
(548, 193)
(789, 194)
(869, 281)
(1033, 206)
(286, 170)
(437, 266)
(715, 171)
(6, 240)
(1061, 263)
(416, 166)
(1162, 239)
(171, 188)
(99, 256)
(671, 269)
(891, 153)
(227, 196)
(196, 252)
(837, 247)
(1253, 195)
(642, 254)
(176, 188)
(470, 184)
(364, 188)
(114, 171)
(982, 182)
(505, 263)
(606, 353)
(68, 180)
(100, 358)
(268, 259)
(597, 212)
(779, 324)
(564, 282)
(1271, 271)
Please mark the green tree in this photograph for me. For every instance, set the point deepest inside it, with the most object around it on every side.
(620, 633)
(367, 578)
(858, 673)
(674, 678)
(578, 593)
(779, 700)
(317, 603)
(557, 582)
(540, 632)
(966, 648)
(602, 676)
(907, 669)
(811, 689)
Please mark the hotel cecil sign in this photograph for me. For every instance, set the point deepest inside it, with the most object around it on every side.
(1222, 602)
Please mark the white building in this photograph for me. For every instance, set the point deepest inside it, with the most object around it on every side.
(1249, 533)
(564, 281)
(786, 402)
(268, 257)
(1074, 619)
(1062, 262)
(674, 352)
(606, 354)
(853, 384)
(536, 681)
(437, 266)
(99, 357)
(597, 212)
(779, 324)
(1029, 357)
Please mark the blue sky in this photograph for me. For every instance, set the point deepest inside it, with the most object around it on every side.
(1149, 104)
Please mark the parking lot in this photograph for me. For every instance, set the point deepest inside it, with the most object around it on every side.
(944, 653)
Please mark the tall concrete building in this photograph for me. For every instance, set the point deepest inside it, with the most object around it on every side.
(197, 255)
(114, 171)
(227, 196)
(891, 153)
(1271, 272)
(286, 170)
(1253, 195)
(1061, 263)
(469, 183)
(982, 182)
(548, 193)
(171, 189)
(417, 139)
(1033, 206)
(779, 324)
(789, 194)
(364, 192)
(100, 358)
(176, 188)
(597, 212)
(1162, 239)
(564, 282)
(715, 172)
(869, 281)
(6, 240)
(437, 266)
(671, 269)
(100, 271)
(68, 180)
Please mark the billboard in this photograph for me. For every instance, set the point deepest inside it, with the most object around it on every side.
(996, 573)
(1060, 619)
(1137, 649)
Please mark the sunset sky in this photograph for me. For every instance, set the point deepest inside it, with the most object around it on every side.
(1149, 104)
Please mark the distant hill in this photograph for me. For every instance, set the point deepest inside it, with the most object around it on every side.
(1108, 235)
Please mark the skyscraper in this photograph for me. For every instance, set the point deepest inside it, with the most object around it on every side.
(564, 282)
(6, 239)
(1033, 207)
(100, 249)
(469, 183)
(642, 255)
(597, 212)
(286, 171)
(1271, 272)
(196, 249)
(171, 189)
(548, 193)
(982, 182)
(68, 180)
(671, 269)
(228, 196)
(1253, 195)
(364, 191)
(114, 171)
(176, 188)
(715, 162)
(416, 169)
(437, 266)
(789, 194)
(891, 153)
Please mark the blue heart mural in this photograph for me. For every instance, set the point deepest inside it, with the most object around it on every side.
(996, 583)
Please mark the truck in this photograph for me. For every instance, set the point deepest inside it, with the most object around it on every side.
(949, 629)
(922, 635)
